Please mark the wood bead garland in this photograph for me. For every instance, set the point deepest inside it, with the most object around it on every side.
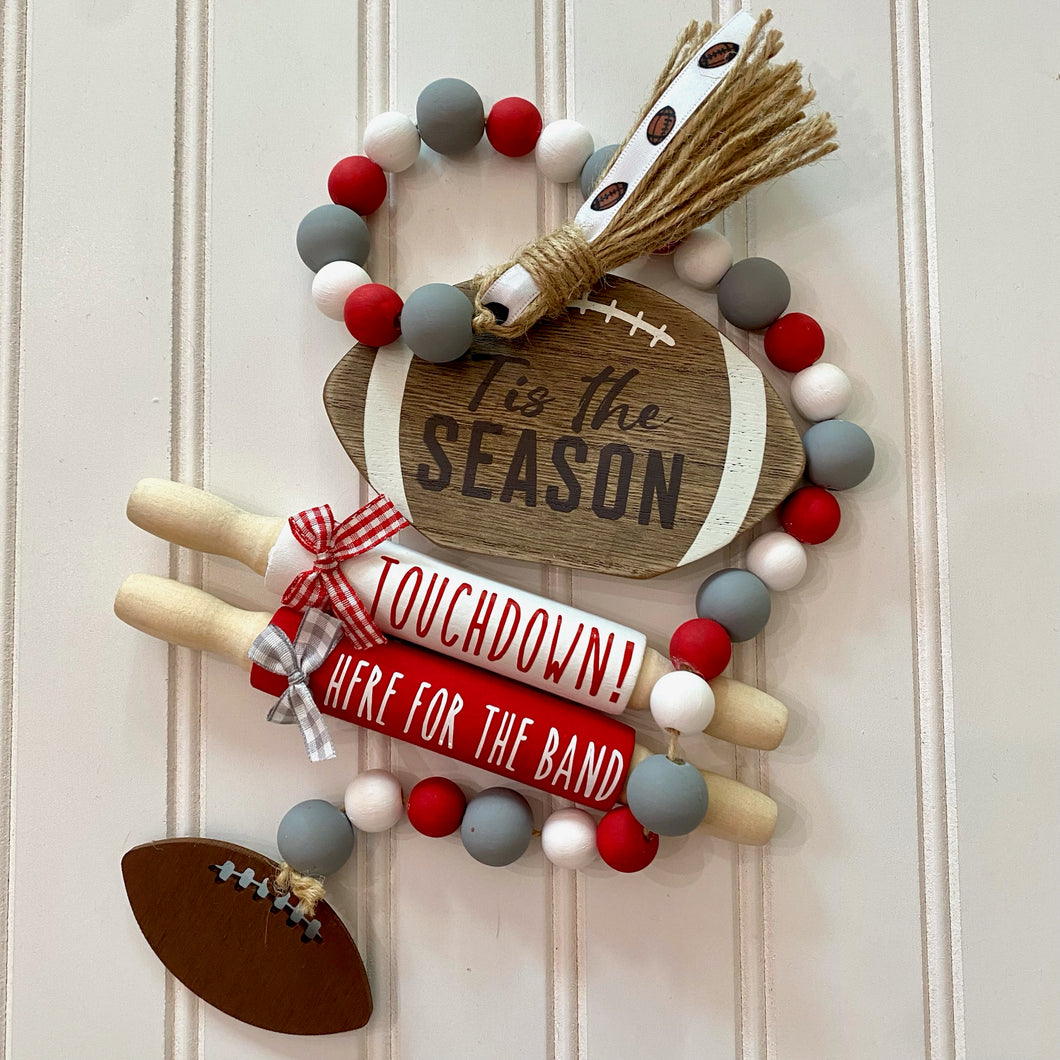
(392, 141)
(372, 313)
(334, 283)
(703, 258)
(778, 559)
(563, 149)
(332, 233)
(436, 807)
(821, 392)
(667, 796)
(449, 116)
(753, 293)
(568, 838)
(513, 126)
(594, 168)
(794, 341)
(702, 646)
(624, 843)
(373, 801)
(682, 701)
(436, 322)
(357, 183)
(315, 839)
(811, 515)
(736, 600)
(839, 454)
(497, 826)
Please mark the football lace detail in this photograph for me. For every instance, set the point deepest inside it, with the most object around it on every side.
(280, 902)
(637, 323)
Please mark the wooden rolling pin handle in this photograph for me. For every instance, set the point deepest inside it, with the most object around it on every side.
(190, 617)
(743, 714)
(184, 615)
(195, 519)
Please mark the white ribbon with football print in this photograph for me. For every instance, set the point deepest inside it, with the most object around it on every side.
(516, 288)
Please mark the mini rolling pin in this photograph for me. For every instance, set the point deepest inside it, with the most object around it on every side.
(549, 645)
(442, 704)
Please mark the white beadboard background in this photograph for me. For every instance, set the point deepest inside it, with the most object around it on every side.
(155, 320)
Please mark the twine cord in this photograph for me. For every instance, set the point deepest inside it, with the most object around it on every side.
(673, 749)
(751, 129)
(307, 889)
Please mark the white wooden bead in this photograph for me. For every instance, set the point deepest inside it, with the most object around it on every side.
(821, 392)
(778, 559)
(703, 258)
(568, 838)
(562, 149)
(332, 286)
(373, 801)
(682, 700)
(392, 141)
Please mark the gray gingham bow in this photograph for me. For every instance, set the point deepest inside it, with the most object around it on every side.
(272, 650)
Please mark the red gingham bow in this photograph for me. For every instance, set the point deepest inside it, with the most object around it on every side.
(325, 585)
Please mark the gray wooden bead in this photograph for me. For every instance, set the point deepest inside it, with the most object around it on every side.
(668, 798)
(839, 454)
(753, 293)
(737, 600)
(315, 838)
(497, 826)
(436, 322)
(332, 233)
(594, 167)
(450, 116)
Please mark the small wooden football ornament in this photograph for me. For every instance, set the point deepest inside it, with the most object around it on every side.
(628, 436)
(209, 911)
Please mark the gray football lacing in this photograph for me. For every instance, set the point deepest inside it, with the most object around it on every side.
(280, 902)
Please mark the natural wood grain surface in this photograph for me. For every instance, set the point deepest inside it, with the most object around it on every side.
(597, 441)
(238, 946)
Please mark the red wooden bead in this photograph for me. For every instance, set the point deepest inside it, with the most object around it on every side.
(701, 645)
(794, 342)
(373, 314)
(811, 515)
(436, 807)
(621, 841)
(513, 126)
(358, 184)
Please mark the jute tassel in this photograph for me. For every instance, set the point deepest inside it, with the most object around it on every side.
(307, 889)
(751, 129)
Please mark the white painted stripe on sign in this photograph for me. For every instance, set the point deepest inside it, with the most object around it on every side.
(743, 458)
(382, 423)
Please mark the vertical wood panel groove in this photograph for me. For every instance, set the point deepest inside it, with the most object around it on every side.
(185, 720)
(14, 57)
(753, 906)
(376, 868)
(936, 782)
(565, 969)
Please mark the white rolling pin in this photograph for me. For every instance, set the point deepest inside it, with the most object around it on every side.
(541, 642)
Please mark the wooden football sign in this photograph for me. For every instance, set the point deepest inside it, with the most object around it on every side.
(210, 913)
(628, 437)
